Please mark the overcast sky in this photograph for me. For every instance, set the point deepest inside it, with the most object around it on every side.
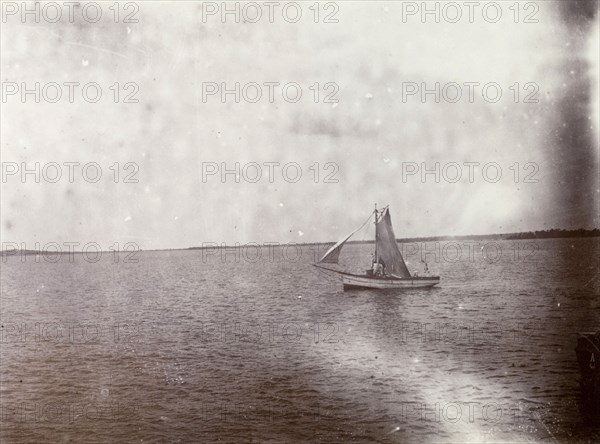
(368, 134)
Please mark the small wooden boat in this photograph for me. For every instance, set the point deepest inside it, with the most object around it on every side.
(388, 270)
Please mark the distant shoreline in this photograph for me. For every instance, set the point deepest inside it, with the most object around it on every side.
(543, 234)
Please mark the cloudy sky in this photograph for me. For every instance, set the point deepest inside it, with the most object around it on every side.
(372, 53)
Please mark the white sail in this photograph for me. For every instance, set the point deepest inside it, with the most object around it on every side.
(332, 255)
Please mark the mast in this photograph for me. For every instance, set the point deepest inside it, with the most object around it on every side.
(376, 258)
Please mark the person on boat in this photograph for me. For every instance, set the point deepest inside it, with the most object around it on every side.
(378, 267)
(382, 265)
(426, 271)
(375, 268)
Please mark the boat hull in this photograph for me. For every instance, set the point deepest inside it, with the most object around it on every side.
(353, 281)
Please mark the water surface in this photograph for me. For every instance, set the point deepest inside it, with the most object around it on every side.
(185, 346)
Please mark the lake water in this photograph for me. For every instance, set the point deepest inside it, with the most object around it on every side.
(191, 346)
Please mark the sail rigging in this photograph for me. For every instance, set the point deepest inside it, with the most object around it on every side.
(388, 270)
(387, 248)
(332, 255)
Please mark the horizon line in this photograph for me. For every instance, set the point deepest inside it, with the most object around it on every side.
(594, 231)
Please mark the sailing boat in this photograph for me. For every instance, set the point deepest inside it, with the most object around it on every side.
(389, 270)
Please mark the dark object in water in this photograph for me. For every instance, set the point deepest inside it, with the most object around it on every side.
(588, 356)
